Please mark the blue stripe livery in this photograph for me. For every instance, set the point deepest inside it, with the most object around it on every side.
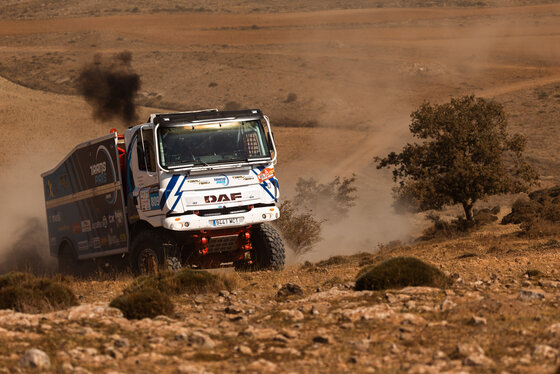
(168, 190)
(263, 184)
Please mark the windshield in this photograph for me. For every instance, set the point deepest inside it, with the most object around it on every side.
(212, 143)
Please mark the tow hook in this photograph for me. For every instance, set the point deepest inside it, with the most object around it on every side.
(203, 246)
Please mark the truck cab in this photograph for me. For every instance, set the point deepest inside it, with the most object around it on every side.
(205, 181)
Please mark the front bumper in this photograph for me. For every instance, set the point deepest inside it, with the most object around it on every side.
(193, 222)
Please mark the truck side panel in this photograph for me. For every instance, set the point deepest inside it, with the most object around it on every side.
(84, 201)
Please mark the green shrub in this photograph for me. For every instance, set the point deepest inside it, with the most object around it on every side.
(24, 293)
(334, 260)
(143, 303)
(14, 278)
(539, 216)
(522, 210)
(400, 272)
(301, 231)
(185, 281)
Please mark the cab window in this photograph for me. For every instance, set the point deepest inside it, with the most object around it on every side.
(146, 151)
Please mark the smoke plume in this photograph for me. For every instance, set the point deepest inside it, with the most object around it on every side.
(109, 86)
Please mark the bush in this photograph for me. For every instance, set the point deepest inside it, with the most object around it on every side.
(143, 303)
(400, 272)
(185, 281)
(24, 293)
(441, 229)
(14, 278)
(301, 218)
(522, 210)
(334, 260)
(301, 231)
(539, 216)
(331, 201)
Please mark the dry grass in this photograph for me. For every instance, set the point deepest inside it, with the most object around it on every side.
(539, 215)
(143, 303)
(185, 281)
(400, 272)
(25, 293)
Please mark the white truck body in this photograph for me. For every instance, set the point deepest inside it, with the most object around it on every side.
(201, 182)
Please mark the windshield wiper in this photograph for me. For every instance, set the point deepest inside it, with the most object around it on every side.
(201, 162)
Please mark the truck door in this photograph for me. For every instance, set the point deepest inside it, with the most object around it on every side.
(146, 176)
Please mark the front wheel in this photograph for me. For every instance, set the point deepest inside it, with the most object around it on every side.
(148, 254)
(268, 249)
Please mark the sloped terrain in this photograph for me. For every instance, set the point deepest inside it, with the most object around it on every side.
(500, 313)
(339, 80)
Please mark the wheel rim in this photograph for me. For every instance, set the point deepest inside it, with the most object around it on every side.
(147, 261)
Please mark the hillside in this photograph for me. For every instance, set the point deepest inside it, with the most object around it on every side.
(494, 318)
(339, 81)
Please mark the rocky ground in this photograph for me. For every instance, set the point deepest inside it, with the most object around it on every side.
(500, 315)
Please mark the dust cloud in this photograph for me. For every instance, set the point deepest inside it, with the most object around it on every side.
(370, 223)
(23, 225)
(110, 85)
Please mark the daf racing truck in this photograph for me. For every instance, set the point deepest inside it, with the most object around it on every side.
(184, 189)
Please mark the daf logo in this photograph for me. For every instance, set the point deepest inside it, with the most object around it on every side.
(222, 197)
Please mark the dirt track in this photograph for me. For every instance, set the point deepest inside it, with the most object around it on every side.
(367, 68)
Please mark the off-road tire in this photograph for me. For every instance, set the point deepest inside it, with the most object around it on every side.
(69, 264)
(148, 254)
(67, 261)
(268, 249)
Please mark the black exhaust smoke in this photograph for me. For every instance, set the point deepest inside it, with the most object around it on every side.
(109, 86)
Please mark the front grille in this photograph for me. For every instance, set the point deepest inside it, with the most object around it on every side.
(222, 244)
(224, 211)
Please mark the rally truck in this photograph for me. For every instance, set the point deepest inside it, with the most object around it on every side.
(193, 189)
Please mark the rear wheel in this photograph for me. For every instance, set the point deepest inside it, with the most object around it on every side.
(67, 261)
(148, 255)
(268, 249)
(69, 264)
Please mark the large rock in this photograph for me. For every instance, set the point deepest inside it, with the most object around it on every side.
(379, 311)
(35, 358)
(93, 311)
(531, 294)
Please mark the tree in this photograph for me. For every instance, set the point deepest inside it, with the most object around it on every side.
(465, 154)
(330, 201)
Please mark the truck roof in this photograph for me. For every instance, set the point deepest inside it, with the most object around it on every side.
(204, 115)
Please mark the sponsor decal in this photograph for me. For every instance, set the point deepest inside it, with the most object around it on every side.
(113, 239)
(77, 228)
(266, 174)
(222, 180)
(97, 242)
(154, 200)
(86, 225)
(64, 228)
(50, 185)
(55, 218)
(243, 177)
(102, 224)
(111, 218)
(99, 172)
(83, 245)
(122, 237)
(104, 241)
(204, 182)
(193, 181)
(223, 197)
(119, 217)
(63, 181)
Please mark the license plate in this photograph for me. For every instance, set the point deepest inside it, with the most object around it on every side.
(227, 221)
